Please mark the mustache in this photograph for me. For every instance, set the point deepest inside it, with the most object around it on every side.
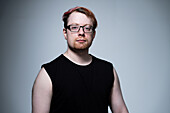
(81, 38)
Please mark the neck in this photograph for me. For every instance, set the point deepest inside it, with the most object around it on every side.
(80, 57)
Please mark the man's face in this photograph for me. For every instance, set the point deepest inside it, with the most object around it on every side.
(79, 40)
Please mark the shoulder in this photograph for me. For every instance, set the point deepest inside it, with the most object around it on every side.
(53, 62)
(104, 69)
(102, 64)
(102, 61)
(52, 65)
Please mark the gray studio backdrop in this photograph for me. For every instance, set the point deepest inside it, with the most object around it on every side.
(132, 34)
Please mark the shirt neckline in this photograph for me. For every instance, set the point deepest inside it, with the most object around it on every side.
(73, 63)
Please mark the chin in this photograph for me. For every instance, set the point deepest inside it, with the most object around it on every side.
(82, 46)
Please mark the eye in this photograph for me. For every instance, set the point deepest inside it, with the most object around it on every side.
(87, 28)
(74, 27)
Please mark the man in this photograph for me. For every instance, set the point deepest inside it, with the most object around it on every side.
(76, 81)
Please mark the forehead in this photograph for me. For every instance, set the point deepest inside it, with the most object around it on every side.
(79, 18)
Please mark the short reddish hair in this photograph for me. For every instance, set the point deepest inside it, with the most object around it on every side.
(83, 10)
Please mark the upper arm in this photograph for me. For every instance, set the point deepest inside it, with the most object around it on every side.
(117, 102)
(41, 93)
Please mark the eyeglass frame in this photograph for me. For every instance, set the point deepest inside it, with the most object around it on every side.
(91, 27)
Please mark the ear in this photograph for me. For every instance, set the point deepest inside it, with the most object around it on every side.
(65, 33)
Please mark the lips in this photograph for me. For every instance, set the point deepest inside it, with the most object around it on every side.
(81, 40)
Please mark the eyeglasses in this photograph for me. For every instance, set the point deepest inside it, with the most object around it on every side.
(76, 28)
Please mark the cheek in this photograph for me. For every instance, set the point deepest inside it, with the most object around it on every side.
(72, 35)
(70, 39)
(90, 37)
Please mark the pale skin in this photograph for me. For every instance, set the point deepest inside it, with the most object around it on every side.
(42, 88)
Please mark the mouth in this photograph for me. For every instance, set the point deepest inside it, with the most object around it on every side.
(81, 40)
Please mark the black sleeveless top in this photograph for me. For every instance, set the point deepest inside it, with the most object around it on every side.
(80, 89)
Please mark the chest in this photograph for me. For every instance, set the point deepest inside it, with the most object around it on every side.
(82, 82)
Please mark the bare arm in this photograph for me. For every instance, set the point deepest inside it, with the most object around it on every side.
(41, 93)
(117, 102)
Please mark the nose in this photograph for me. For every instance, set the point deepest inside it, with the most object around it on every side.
(81, 30)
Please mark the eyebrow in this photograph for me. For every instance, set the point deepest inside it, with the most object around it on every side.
(80, 25)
